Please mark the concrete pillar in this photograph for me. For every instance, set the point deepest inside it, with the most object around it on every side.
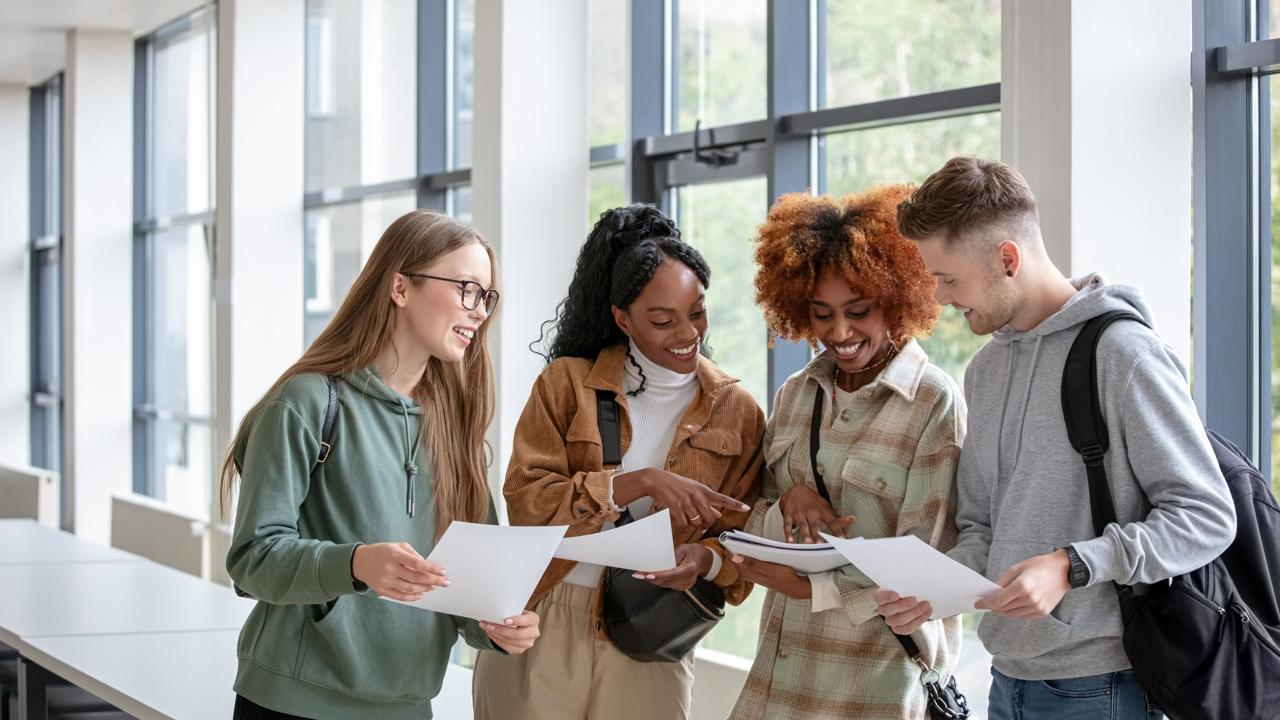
(529, 179)
(98, 275)
(15, 276)
(258, 237)
(1096, 114)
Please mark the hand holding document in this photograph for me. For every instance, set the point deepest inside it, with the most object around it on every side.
(644, 545)
(807, 559)
(492, 569)
(910, 567)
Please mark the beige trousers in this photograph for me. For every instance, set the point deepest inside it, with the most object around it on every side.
(568, 674)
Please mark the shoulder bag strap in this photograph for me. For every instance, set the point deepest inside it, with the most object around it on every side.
(610, 426)
(815, 441)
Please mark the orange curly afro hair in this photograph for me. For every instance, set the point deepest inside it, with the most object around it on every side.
(858, 237)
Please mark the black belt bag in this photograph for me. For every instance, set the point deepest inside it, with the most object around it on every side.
(646, 622)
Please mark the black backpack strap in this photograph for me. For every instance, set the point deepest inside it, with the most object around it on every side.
(1082, 411)
(330, 414)
(815, 441)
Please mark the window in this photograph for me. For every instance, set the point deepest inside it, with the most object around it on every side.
(46, 279)
(909, 153)
(1236, 273)
(720, 62)
(173, 404)
(389, 128)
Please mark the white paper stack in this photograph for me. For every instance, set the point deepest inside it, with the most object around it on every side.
(807, 559)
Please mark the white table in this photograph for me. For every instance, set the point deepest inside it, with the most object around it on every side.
(152, 676)
(101, 598)
(27, 542)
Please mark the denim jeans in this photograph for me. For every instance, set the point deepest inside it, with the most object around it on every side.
(1110, 696)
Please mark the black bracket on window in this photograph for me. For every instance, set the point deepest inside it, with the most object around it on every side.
(714, 157)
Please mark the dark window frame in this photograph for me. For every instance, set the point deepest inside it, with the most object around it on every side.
(788, 146)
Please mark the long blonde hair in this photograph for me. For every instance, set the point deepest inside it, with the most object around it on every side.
(456, 397)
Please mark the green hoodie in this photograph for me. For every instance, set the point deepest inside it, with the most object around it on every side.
(319, 644)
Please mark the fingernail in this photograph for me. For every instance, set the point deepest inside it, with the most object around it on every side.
(650, 577)
(638, 576)
(446, 583)
(509, 622)
(736, 558)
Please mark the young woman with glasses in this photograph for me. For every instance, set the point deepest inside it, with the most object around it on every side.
(317, 526)
(634, 324)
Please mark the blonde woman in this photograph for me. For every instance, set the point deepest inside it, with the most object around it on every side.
(319, 526)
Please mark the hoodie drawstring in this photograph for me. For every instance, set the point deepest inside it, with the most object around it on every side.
(410, 466)
(1026, 399)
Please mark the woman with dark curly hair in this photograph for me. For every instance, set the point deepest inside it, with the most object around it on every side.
(634, 324)
(888, 432)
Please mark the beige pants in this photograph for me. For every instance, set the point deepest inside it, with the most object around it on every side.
(570, 675)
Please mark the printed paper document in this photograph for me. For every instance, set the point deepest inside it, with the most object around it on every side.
(643, 545)
(910, 567)
(492, 569)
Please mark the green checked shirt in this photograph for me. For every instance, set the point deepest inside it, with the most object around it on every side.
(888, 459)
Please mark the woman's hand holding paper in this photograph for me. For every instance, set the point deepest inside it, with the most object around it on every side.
(517, 635)
(779, 578)
(692, 561)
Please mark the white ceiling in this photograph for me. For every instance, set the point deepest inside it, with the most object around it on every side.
(33, 32)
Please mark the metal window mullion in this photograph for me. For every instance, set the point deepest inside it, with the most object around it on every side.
(435, 101)
(1263, 256)
(792, 64)
(650, 89)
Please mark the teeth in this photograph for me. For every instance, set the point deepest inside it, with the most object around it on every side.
(848, 350)
(468, 334)
(685, 351)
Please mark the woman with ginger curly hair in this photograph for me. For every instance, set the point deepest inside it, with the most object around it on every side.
(839, 273)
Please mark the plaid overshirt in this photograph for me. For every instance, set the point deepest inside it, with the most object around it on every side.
(890, 461)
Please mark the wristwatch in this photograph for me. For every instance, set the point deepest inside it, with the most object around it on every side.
(1078, 575)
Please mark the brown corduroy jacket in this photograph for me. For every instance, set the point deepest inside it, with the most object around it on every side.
(556, 475)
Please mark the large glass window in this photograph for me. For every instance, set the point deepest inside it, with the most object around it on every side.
(46, 280)
(879, 49)
(608, 71)
(361, 99)
(720, 63)
(173, 452)
(910, 153)
(371, 156)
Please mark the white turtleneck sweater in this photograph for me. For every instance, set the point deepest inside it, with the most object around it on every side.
(655, 414)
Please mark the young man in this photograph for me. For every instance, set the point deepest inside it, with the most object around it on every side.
(1024, 516)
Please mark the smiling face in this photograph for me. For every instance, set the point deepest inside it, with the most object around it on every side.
(431, 310)
(851, 326)
(668, 319)
(978, 289)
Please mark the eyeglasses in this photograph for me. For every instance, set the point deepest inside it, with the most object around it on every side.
(472, 293)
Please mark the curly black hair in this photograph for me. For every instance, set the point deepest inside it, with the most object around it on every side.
(617, 261)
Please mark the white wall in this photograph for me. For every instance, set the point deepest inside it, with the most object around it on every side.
(98, 282)
(1096, 114)
(528, 178)
(15, 274)
(259, 235)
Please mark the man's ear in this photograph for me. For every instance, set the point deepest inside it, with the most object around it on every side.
(623, 319)
(399, 290)
(1009, 256)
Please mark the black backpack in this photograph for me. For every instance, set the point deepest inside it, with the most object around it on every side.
(1205, 645)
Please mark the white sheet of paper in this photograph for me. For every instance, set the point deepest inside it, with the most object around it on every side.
(806, 559)
(910, 567)
(492, 569)
(642, 545)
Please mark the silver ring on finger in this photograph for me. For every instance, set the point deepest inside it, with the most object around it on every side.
(695, 518)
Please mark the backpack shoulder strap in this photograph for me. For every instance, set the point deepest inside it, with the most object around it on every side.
(815, 444)
(330, 414)
(607, 419)
(1082, 411)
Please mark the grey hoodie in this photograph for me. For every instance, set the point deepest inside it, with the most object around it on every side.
(1023, 491)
